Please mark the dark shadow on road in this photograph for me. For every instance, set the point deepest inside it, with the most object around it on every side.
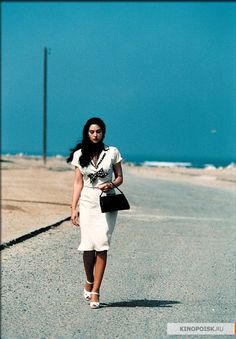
(31, 234)
(3, 160)
(142, 303)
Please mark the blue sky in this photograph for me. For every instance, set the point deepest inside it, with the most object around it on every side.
(161, 75)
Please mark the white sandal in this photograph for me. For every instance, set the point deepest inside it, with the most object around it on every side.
(94, 304)
(87, 294)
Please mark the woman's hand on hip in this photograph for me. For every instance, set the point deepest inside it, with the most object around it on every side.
(74, 217)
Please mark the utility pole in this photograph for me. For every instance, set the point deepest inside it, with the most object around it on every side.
(45, 108)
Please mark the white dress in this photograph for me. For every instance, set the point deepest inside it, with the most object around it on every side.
(96, 227)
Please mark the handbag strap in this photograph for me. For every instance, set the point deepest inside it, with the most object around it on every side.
(115, 187)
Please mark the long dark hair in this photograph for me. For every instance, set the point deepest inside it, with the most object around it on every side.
(87, 147)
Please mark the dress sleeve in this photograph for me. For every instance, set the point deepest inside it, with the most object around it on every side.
(75, 160)
(116, 156)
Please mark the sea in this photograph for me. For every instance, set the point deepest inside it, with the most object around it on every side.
(180, 162)
(152, 161)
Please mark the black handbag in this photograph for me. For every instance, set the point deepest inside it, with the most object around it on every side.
(113, 202)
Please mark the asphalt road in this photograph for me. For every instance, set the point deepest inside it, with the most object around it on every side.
(172, 259)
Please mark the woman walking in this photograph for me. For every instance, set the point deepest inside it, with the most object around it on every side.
(95, 164)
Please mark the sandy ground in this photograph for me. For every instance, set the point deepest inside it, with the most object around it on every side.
(222, 178)
(35, 195)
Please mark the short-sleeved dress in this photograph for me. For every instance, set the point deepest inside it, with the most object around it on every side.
(96, 227)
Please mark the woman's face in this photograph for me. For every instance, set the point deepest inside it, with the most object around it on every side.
(95, 133)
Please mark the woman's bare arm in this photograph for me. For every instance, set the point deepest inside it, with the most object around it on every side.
(117, 168)
(77, 188)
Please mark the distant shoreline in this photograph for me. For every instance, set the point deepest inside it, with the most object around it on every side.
(160, 163)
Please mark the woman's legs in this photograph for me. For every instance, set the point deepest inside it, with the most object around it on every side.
(94, 266)
(99, 268)
(89, 259)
